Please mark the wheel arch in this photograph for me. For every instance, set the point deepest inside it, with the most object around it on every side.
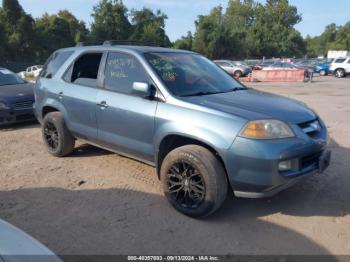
(173, 141)
(237, 70)
(52, 106)
(48, 109)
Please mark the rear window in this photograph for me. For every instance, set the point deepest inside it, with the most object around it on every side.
(84, 71)
(53, 64)
(339, 61)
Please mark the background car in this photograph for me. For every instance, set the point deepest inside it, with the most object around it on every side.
(340, 67)
(322, 69)
(17, 246)
(235, 69)
(32, 71)
(281, 66)
(16, 98)
(263, 64)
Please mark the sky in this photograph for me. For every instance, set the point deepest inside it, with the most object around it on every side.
(182, 13)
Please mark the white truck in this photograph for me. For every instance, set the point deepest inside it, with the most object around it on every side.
(337, 53)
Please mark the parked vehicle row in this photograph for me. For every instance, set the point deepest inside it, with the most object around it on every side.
(340, 67)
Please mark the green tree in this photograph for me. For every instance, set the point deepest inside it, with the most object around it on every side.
(185, 42)
(110, 21)
(212, 35)
(341, 40)
(58, 31)
(250, 29)
(78, 30)
(149, 27)
(239, 18)
(12, 10)
(19, 31)
(273, 32)
(53, 32)
(333, 38)
(3, 41)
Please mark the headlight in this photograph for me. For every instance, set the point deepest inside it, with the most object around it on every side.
(3, 106)
(266, 129)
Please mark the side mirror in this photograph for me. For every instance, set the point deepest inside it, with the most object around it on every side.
(141, 88)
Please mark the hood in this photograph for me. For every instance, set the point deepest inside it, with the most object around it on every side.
(12, 91)
(253, 105)
(16, 243)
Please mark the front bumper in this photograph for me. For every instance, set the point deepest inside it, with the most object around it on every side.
(10, 116)
(253, 165)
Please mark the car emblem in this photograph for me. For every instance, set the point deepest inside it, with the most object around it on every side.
(21, 94)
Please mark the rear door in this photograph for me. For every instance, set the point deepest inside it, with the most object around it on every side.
(79, 94)
(125, 120)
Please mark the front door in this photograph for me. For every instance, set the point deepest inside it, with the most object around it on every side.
(125, 120)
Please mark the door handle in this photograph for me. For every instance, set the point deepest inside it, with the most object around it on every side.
(60, 95)
(103, 104)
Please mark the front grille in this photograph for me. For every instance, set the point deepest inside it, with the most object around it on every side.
(311, 128)
(25, 117)
(23, 105)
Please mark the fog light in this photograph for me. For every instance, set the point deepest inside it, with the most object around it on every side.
(285, 165)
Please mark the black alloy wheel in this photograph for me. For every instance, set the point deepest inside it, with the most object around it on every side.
(186, 185)
(51, 135)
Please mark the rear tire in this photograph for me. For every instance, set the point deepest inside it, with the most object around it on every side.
(58, 139)
(237, 74)
(339, 73)
(323, 73)
(194, 180)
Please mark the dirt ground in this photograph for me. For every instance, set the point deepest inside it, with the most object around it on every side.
(96, 202)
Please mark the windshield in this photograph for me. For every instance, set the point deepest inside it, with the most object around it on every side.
(191, 74)
(9, 78)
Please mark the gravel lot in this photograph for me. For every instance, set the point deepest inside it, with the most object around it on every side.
(96, 202)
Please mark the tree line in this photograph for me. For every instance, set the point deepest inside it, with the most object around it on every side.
(245, 29)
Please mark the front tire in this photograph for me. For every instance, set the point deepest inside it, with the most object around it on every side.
(323, 73)
(194, 180)
(58, 139)
(340, 73)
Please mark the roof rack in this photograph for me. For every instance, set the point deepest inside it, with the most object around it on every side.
(118, 42)
(128, 42)
(80, 44)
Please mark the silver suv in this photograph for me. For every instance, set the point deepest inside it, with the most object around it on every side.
(340, 67)
(235, 69)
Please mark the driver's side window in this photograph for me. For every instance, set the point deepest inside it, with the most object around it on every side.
(121, 71)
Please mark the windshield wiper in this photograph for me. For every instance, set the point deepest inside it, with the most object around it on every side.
(237, 89)
(201, 94)
(219, 92)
